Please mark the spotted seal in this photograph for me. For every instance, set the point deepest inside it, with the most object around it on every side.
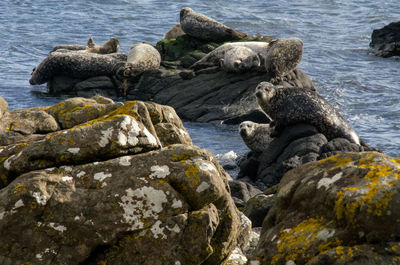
(283, 56)
(76, 64)
(239, 59)
(214, 57)
(110, 46)
(291, 105)
(256, 136)
(202, 27)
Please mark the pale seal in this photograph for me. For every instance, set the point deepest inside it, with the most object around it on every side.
(110, 46)
(174, 32)
(283, 56)
(214, 57)
(291, 105)
(239, 59)
(202, 27)
(76, 64)
(141, 57)
(256, 136)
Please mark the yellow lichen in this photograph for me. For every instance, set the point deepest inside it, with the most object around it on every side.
(19, 189)
(297, 242)
(374, 192)
(192, 173)
(335, 161)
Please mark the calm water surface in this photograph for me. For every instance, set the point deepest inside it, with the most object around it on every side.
(336, 35)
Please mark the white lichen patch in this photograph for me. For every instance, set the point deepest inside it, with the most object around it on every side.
(66, 169)
(7, 162)
(142, 203)
(159, 172)
(100, 176)
(81, 174)
(106, 136)
(152, 140)
(17, 205)
(66, 178)
(174, 229)
(209, 167)
(39, 256)
(237, 256)
(170, 115)
(73, 150)
(325, 234)
(125, 161)
(202, 187)
(273, 238)
(176, 204)
(327, 182)
(122, 139)
(158, 231)
(59, 227)
(41, 199)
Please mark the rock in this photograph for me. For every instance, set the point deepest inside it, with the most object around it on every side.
(340, 210)
(60, 84)
(100, 85)
(385, 42)
(174, 32)
(102, 190)
(3, 106)
(257, 208)
(242, 191)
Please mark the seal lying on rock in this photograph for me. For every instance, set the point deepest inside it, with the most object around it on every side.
(202, 27)
(256, 136)
(259, 48)
(76, 64)
(291, 105)
(239, 59)
(141, 57)
(283, 56)
(110, 46)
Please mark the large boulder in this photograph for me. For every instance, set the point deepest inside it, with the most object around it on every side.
(385, 42)
(100, 189)
(340, 210)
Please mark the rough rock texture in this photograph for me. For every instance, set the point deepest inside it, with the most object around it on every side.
(385, 42)
(295, 146)
(340, 210)
(99, 189)
(3, 106)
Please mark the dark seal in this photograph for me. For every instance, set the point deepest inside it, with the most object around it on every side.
(292, 105)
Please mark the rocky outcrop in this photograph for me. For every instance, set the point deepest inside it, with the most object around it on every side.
(295, 146)
(340, 210)
(96, 187)
(385, 42)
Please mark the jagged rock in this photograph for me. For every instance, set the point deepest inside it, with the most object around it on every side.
(340, 210)
(102, 190)
(385, 42)
(242, 191)
(257, 208)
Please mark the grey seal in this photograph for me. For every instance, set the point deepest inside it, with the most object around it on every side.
(110, 46)
(291, 105)
(76, 64)
(202, 27)
(256, 136)
(239, 59)
(213, 58)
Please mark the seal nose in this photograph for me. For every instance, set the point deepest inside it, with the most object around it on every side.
(258, 93)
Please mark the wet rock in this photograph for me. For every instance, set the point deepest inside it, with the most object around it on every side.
(257, 208)
(340, 210)
(242, 191)
(385, 42)
(102, 190)
(100, 85)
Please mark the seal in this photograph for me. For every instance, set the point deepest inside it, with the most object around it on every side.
(202, 27)
(239, 59)
(141, 57)
(283, 56)
(292, 105)
(76, 64)
(174, 32)
(256, 136)
(213, 58)
(110, 46)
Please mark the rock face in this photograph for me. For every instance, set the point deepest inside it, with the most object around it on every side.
(295, 146)
(385, 42)
(95, 187)
(340, 210)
